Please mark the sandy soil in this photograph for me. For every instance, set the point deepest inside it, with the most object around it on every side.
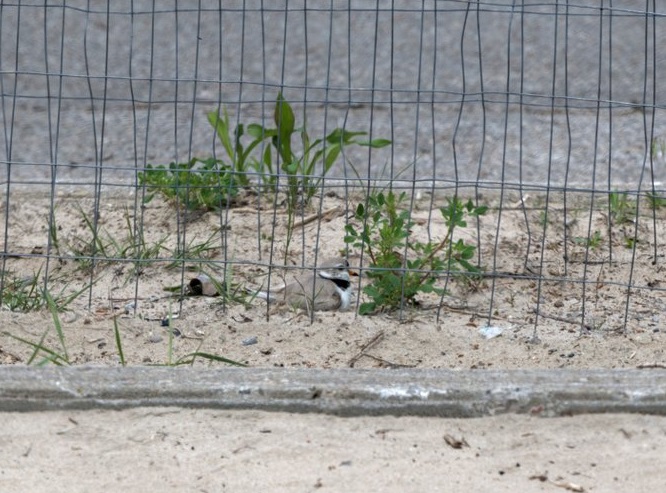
(181, 449)
(590, 283)
(185, 450)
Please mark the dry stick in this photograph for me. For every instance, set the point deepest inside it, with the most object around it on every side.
(561, 319)
(327, 215)
(390, 364)
(372, 342)
(645, 366)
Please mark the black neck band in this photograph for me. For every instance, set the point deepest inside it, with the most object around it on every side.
(341, 283)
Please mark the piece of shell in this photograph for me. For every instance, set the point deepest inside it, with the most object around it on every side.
(202, 285)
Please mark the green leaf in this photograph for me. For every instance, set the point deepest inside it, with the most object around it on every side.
(367, 308)
(341, 136)
(221, 126)
(285, 123)
(360, 211)
(291, 168)
(267, 159)
(375, 143)
(259, 132)
(332, 153)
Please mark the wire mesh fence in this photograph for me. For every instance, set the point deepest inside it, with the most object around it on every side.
(502, 159)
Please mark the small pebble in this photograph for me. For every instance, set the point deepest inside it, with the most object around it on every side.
(154, 338)
(489, 332)
(250, 340)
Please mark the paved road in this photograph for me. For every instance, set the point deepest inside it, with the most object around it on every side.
(463, 91)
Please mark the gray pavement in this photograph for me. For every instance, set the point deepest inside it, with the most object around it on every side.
(464, 90)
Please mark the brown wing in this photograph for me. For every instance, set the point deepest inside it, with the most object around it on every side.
(301, 293)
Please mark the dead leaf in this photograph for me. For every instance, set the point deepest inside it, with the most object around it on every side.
(456, 443)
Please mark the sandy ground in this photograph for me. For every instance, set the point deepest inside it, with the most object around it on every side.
(179, 449)
(186, 450)
(530, 273)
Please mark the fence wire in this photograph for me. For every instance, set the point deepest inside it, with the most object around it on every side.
(547, 113)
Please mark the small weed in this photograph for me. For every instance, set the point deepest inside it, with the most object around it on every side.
(543, 218)
(196, 251)
(622, 209)
(385, 236)
(200, 184)
(27, 294)
(593, 241)
(23, 294)
(53, 233)
(209, 184)
(656, 202)
(98, 245)
(228, 290)
(39, 349)
(630, 242)
(658, 148)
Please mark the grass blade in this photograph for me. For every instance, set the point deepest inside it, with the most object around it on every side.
(39, 347)
(211, 357)
(53, 308)
(119, 345)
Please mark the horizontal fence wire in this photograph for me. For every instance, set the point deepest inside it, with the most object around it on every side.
(154, 141)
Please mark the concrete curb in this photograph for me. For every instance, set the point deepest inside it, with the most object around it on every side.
(444, 393)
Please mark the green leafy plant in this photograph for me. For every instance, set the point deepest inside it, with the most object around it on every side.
(242, 162)
(200, 184)
(401, 267)
(622, 209)
(300, 167)
(211, 183)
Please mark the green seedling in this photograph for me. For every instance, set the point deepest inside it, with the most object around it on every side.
(200, 184)
(630, 242)
(622, 209)
(592, 242)
(243, 163)
(400, 267)
(658, 148)
(196, 251)
(656, 202)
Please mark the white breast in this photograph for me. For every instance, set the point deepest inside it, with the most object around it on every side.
(345, 297)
